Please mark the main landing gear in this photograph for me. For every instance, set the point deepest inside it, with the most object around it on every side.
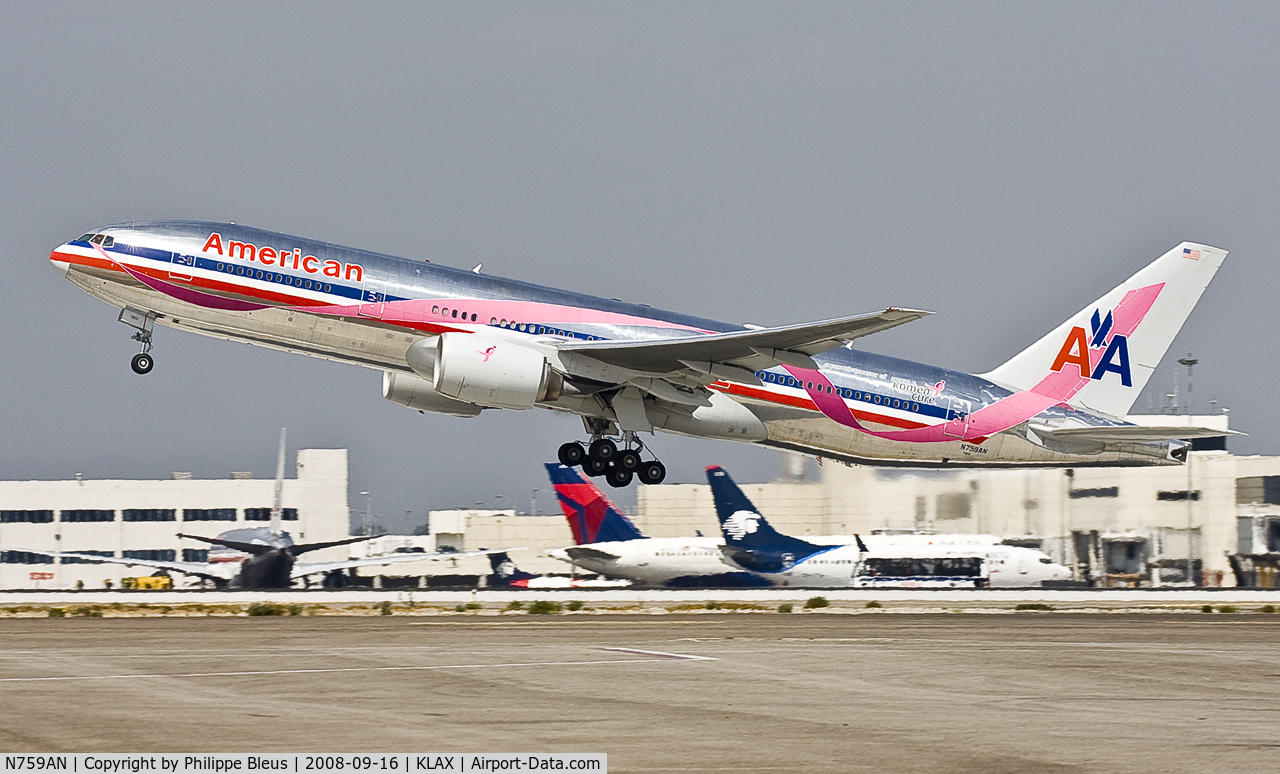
(143, 322)
(603, 458)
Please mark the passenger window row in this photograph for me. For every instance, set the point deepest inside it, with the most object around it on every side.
(271, 276)
(844, 392)
(540, 330)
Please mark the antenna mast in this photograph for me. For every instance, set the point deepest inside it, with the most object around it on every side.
(277, 512)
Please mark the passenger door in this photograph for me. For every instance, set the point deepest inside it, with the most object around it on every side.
(373, 298)
(957, 418)
(182, 266)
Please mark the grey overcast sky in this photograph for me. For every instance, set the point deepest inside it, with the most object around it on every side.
(1000, 163)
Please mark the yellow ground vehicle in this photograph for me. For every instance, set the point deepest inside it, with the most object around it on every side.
(150, 582)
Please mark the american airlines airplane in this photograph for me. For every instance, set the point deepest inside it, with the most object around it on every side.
(456, 342)
(753, 545)
(607, 542)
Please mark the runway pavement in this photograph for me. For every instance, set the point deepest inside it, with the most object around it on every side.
(802, 692)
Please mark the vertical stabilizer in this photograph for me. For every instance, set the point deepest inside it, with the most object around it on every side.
(592, 517)
(1114, 344)
(505, 573)
(750, 541)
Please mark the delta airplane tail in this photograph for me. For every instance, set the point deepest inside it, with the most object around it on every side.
(750, 541)
(1101, 358)
(592, 517)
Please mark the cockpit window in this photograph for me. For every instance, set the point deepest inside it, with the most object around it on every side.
(98, 239)
(1045, 560)
(85, 238)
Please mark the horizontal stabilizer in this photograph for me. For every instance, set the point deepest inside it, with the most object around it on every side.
(1129, 433)
(582, 552)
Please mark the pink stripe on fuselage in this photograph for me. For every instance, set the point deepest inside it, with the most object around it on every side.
(1005, 413)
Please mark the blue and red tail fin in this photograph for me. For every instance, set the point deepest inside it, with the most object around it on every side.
(750, 541)
(591, 516)
(505, 573)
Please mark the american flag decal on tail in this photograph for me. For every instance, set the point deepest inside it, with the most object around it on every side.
(1192, 254)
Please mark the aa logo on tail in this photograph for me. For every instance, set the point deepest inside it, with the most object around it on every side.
(1076, 350)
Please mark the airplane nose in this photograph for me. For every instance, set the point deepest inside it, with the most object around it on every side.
(60, 262)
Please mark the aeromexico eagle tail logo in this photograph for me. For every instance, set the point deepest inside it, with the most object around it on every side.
(1115, 351)
(741, 524)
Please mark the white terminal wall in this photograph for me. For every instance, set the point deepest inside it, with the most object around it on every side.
(319, 493)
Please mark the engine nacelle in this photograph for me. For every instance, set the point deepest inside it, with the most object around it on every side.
(493, 373)
(417, 393)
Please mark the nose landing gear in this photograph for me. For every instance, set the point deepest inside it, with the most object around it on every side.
(143, 322)
(618, 466)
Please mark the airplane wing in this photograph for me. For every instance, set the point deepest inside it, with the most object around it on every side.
(792, 344)
(1129, 433)
(199, 569)
(301, 569)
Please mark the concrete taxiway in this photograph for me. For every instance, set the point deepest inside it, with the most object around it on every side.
(808, 692)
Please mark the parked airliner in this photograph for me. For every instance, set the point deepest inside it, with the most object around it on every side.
(607, 542)
(456, 342)
(753, 545)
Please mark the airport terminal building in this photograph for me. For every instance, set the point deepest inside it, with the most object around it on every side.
(141, 519)
(1115, 526)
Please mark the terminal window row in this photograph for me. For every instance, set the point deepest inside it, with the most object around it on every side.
(29, 517)
(264, 514)
(151, 554)
(140, 514)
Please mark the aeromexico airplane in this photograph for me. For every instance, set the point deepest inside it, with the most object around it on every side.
(453, 341)
(752, 545)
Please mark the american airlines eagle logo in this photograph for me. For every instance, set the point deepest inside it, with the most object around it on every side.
(741, 523)
(1079, 344)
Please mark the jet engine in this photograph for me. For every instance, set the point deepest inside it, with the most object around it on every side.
(493, 373)
(417, 393)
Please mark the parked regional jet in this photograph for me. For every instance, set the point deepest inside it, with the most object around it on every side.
(506, 575)
(607, 542)
(753, 545)
(456, 342)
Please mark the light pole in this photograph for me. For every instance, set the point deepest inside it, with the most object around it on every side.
(366, 522)
(533, 504)
(1190, 363)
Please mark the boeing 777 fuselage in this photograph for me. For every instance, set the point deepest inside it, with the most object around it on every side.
(456, 342)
